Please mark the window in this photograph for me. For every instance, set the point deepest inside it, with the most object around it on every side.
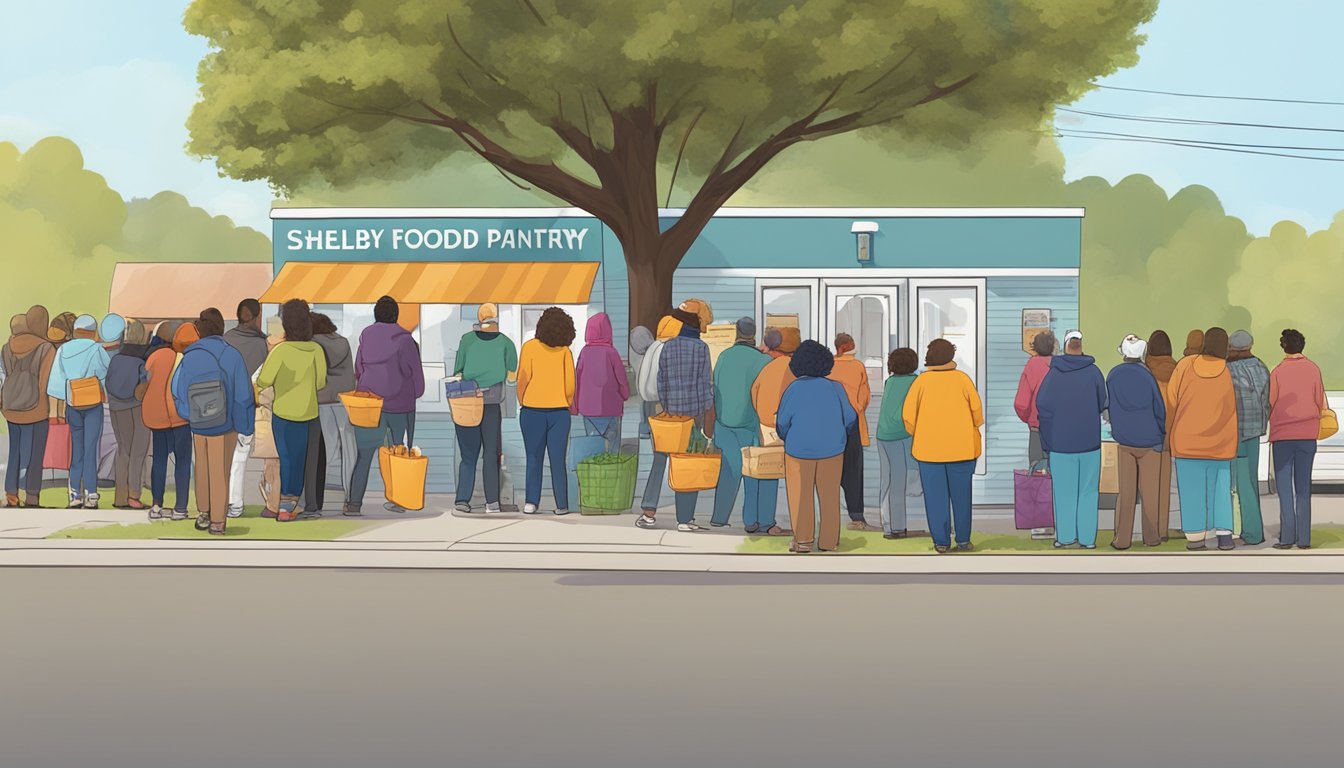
(787, 305)
(954, 311)
(864, 318)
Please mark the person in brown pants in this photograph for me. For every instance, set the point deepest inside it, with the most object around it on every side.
(1139, 426)
(214, 458)
(814, 420)
(1160, 361)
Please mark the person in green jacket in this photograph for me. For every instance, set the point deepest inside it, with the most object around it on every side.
(900, 476)
(736, 426)
(488, 358)
(297, 369)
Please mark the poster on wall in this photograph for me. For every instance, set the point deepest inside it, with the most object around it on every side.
(719, 338)
(1034, 323)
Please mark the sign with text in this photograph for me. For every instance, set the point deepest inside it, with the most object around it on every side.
(402, 239)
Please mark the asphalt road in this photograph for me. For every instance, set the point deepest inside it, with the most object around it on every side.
(275, 668)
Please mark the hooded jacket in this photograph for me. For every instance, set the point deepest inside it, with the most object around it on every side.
(76, 359)
(251, 344)
(600, 384)
(388, 365)
(487, 358)
(1296, 399)
(1204, 422)
(340, 367)
(1069, 404)
(1138, 410)
(158, 410)
(126, 373)
(298, 371)
(646, 380)
(768, 389)
(1033, 373)
(20, 347)
(213, 358)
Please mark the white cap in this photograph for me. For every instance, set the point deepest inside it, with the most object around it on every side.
(1071, 335)
(1133, 348)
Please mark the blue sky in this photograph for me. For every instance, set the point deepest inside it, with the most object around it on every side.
(119, 79)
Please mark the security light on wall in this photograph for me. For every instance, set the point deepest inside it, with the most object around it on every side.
(863, 234)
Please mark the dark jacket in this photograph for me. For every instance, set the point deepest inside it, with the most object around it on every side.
(388, 365)
(1138, 413)
(340, 367)
(125, 375)
(251, 344)
(1069, 405)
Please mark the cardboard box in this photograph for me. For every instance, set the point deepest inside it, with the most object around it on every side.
(1110, 468)
(763, 463)
(719, 338)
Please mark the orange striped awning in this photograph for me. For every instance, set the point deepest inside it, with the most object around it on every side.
(467, 282)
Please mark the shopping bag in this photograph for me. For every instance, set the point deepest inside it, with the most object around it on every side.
(57, 455)
(691, 472)
(607, 483)
(86, 392)
(404, 474)
(671, 434)
(1033, 502)
(1329, 425)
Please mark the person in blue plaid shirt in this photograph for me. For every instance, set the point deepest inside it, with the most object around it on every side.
(686, 388)
(1250, 380)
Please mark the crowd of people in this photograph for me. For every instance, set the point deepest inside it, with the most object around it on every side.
(214, 400)
(211, 401)
(1204, 414)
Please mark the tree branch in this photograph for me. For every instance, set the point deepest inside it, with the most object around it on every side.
(535, 13)
(452, 32)
(685, 137)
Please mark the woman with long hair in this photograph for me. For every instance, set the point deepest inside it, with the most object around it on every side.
(297, 368)
(545, 395)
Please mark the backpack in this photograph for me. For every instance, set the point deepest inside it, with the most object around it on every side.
(22, 391)
(647, 379)
(208, 400)
(116, 387)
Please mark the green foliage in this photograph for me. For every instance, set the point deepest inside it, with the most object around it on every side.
(335, 89)
(62, 230)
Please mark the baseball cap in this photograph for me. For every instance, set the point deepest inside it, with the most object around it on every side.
(488, 314)
(1133, 347)
(1071, 335)
(86, 323)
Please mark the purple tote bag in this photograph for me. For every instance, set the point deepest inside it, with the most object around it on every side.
(1033, 502)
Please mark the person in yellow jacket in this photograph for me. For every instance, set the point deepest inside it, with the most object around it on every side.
(944, 415)
(852, 374)
(545, 393)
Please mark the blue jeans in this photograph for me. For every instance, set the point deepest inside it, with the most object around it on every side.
(397, 427)
(1292, 472)
(545, 435)
(947, 494)
(176, 441)
(86, 431)
(291, 443)
(1074, 480)
(1248, 490)
(758, 509)
(653, 487)
(1205, 489)
(27, 447)
(896, 487)
(472, 442)
(608, 427)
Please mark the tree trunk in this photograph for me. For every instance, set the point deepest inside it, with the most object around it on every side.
(650, 273)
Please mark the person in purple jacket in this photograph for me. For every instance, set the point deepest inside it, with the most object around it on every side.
(601, 386)
(388, 365)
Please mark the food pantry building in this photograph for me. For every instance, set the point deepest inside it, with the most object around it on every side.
(984, 278)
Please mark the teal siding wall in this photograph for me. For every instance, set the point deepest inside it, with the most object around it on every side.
(1005, 434)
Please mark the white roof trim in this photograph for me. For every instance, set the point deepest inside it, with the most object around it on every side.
(864, 226)
(722, 213)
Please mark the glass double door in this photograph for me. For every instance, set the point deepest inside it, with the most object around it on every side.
(869, 313)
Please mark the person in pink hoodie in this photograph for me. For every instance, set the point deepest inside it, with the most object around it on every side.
(601, 385)
(1296, 400)
(1025, 403)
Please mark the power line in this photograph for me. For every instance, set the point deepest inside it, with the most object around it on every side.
(1223, 98)
(1214, 148)
(1206, 141)
(1193, 121)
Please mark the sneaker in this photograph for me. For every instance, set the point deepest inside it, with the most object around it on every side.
(561, 512)
(349, 510)
(76, 502)
(492, 507)
(203, 521)
(11, 500)
(463, 507)
(1225, 542)
(235, 512)
(1282, 545)
(1062, 545)
(390, 507)
(1088, 546)
(91, 501)
(967, 547)
(645, 521)
(690, 527)
(718, 525)
(940, 549)
(531, 509)
(896, 535)
(1304, 546)
(1195, 546)
(158, 513)
(310, 514)
(860, 525)
(754, 527)
(180, 514)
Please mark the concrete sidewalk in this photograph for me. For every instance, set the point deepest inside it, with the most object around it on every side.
(449, 540)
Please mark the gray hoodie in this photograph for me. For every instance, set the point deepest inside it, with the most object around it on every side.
(251, 344)
(340, 367)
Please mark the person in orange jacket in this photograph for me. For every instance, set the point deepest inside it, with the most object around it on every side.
(852, 374)
(1204, 441)
(171, 434)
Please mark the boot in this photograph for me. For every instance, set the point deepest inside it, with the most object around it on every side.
(352, 510)
(11, 499)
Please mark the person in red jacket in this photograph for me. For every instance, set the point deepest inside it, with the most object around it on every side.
(1043, 348)
(1296, 400)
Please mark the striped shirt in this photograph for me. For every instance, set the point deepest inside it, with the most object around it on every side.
(1250, 379)
(685, 383)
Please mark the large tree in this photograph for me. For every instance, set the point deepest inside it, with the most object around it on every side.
(611, 106)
